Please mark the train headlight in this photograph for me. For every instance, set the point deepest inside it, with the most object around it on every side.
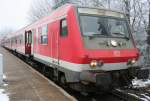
(93, 64)
(131, 62)
(114, 43)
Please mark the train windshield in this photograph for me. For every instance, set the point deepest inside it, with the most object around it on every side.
(104, 26)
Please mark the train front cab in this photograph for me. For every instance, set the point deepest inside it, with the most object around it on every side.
(79, 50)
(102, 54)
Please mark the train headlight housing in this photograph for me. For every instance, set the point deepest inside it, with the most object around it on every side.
(93, 64)
(100, 63)
(131, 62)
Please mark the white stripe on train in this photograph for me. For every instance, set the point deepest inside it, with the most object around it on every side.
(81, 67)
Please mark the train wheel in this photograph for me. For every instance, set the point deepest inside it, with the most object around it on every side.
(62, 81)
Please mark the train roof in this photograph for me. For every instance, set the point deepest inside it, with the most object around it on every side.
(100, 8)
(60, 11)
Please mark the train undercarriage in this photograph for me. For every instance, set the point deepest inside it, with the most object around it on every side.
(106, 81)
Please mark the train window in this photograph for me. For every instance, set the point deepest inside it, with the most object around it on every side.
(39, 34)
(16, 41)
(44, 35)
(30, 37)
(64, 28)
(20, 41)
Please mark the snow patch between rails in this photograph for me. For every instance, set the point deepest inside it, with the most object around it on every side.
(133, 95)
(143, 99)
(146, 96)
(137, 83)
(3, 96)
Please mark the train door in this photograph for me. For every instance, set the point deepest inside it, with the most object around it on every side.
(55, 43)
(28, 42)
(60, 33)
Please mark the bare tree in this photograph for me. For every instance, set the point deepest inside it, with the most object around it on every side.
(149, 19)
(148, 32)
(135, 12)
(133, 8)
(84, 2)
(5, 32)
(98, 3)
(148, 27)
(39, 8)
(127, 8)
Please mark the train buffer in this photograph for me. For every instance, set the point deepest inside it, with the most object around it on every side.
(22, 83)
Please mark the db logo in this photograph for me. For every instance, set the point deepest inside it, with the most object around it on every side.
(116, 53)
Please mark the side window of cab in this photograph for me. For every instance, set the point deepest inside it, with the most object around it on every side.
(64, 28)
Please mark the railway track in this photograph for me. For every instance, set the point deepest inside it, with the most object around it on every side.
(119, 94)
(133, 94)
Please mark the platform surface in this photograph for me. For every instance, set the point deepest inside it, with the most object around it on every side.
(24, 84)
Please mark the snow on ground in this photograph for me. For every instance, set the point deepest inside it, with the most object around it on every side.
(3, 96)
(5, 85)
(143, 99)
(4, 77)
(137, 83)
(145, 95)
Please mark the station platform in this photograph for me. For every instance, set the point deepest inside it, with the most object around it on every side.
(26, 84)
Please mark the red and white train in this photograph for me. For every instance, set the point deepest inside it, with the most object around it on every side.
(84, 47)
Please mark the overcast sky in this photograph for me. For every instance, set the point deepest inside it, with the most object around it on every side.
(14, 13)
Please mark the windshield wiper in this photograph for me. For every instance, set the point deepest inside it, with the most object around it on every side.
(122, 34)
(118, 33)
(96, 35)
(127, 38)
